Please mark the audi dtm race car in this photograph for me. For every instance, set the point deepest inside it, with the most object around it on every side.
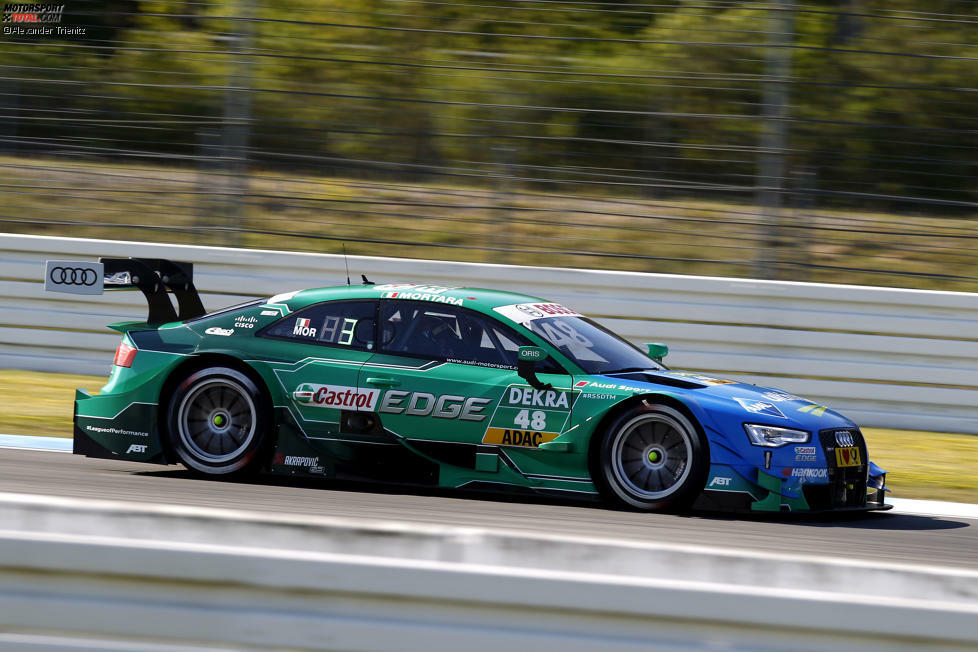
(448, 387)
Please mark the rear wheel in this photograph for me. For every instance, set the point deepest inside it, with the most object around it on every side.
(652, 457)
(217, 422)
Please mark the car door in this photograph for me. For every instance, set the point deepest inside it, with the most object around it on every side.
(448, 376)
(322, 348)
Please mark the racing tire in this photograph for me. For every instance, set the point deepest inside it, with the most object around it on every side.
(217, 422)
(652, 458)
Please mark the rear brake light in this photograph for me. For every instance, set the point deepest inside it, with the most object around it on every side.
(124, 355)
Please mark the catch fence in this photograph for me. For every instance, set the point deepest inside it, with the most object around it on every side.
(783, 140)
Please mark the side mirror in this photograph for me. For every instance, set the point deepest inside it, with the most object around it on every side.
(657, 350)
(527, 358)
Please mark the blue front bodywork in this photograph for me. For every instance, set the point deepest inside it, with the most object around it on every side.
(791, 477)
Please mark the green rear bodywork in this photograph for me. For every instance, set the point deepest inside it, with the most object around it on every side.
(442, 424)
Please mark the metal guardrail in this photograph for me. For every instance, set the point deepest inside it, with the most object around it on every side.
(180, 578)
(886, 357)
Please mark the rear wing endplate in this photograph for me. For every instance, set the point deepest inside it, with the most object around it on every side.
(156, 278)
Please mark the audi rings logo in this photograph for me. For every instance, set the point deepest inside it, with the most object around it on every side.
(530, 310)
(844, 438)
(73, 276)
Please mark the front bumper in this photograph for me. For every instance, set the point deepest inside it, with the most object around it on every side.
(811, 486)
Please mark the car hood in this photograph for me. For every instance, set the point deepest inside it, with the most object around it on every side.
(750, 403)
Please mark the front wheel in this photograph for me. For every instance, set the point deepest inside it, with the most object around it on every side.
(217, 422)
(651, 458)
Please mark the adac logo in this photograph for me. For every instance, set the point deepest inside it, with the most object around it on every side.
(521, 438)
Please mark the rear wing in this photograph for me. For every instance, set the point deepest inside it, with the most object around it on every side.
(156, 278)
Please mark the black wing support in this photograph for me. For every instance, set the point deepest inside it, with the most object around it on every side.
(155, 278)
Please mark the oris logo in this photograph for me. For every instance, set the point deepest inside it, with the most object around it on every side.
(73, 276)
(844, 438)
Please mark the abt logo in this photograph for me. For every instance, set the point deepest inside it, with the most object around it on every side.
(720, 482)
(137, 448)
(302, 328)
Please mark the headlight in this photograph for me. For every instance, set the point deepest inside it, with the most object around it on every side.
(773, 436)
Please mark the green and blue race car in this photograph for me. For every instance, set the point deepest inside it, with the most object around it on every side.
(449, 387)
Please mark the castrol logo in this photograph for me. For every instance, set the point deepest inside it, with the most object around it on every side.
(342, 397)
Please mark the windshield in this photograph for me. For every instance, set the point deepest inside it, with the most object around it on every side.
(594, 348)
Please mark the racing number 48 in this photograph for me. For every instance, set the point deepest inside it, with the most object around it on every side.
(535, 421)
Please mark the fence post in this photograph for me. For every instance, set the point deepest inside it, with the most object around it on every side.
(502, 187)
(237, 120)
(773, 146)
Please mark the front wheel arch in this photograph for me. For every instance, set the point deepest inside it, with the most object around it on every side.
(698, 482)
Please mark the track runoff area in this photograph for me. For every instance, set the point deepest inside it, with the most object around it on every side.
(917, 532)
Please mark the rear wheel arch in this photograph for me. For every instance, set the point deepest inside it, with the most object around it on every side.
(191, 366)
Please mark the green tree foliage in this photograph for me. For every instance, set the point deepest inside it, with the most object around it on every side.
(882, 94)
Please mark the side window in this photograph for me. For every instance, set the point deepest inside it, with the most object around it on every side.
(347, 324)
(450, 333)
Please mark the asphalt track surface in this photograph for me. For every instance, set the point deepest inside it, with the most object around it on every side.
(889, 537)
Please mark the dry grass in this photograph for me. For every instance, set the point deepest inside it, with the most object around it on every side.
(455, 221)
(927, 465)
(33, 403)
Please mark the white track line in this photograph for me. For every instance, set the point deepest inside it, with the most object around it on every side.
(900, 505)
(933, 508)
(28, 442)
